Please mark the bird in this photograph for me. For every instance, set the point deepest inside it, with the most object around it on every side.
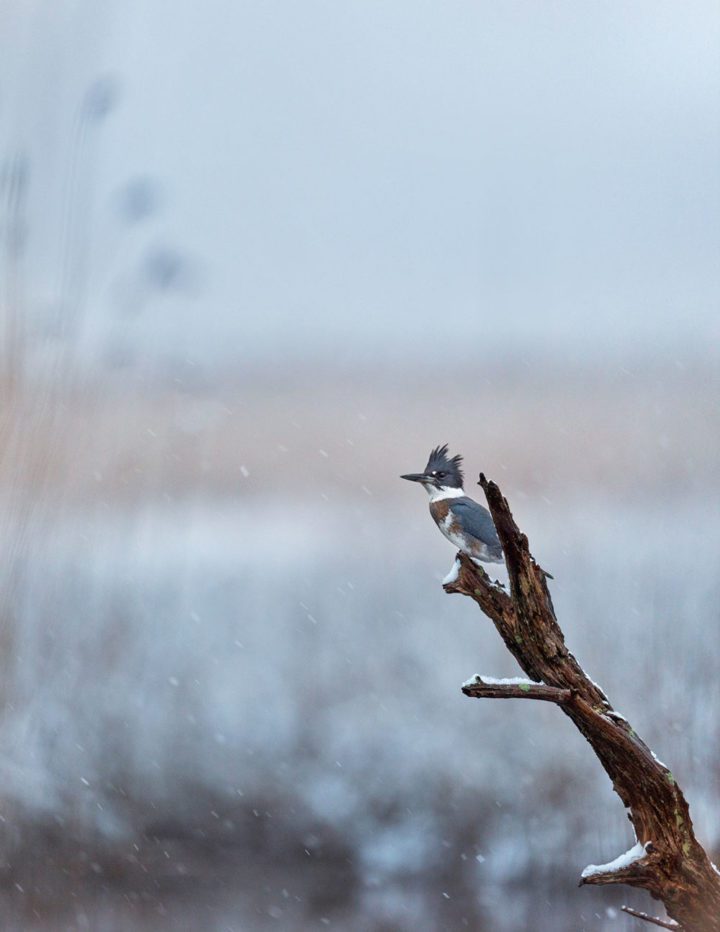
(466, 524)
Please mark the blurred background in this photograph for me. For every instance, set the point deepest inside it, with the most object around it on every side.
(255, 260)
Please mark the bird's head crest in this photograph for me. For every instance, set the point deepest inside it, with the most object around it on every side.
(450, 467)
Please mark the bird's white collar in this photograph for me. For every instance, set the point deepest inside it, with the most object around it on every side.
(437, 495)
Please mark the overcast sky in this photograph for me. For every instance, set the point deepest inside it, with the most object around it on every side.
(372, 175)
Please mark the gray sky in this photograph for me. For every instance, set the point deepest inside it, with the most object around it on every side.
(361, 177)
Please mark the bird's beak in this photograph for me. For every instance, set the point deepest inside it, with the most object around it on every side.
(415, 477)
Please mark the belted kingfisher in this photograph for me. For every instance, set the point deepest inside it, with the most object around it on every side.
(466, 524)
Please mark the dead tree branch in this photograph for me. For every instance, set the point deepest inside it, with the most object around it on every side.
(667, 859)
(482, 688)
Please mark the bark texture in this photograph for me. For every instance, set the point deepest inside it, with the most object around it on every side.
(673, 867)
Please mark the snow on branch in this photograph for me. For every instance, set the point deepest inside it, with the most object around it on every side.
(667, 859)
(653, 920)
(608, 873)
(515, 687)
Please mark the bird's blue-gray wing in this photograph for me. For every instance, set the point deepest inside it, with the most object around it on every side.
(477, 522)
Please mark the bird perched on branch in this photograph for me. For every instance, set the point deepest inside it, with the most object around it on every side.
(465, 523)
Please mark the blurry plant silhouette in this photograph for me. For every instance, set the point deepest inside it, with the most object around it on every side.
(138, 200)
(160, 269)
(14, 180)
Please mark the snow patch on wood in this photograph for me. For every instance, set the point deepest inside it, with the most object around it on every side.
(620, 863)
(453, 574)
(483, 680)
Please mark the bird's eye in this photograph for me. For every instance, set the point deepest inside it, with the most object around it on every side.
(440, 475)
